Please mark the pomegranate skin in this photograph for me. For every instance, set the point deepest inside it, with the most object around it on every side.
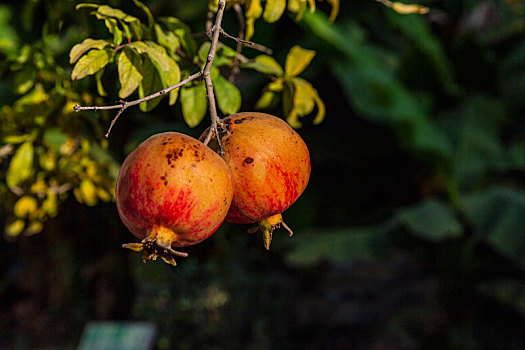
(271, 167)
(172, 191)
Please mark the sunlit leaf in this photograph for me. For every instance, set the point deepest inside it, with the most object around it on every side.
(167, 39)
(183, 33)
(34, 228)
(264, 64)
(21, 165)
(90, 63)
(86, 6)
(406, 9)
(143, 7)
(266, 100)
(298, 7)
(273, 10)
(25, 206)
(79, 49)
(173, 76)
(297, 60)
(194, 104)
(113, 28)
(335, 9)
(304, 96)
(129, 67)
(157, 53)
(228, 96)
(86, 192)
(253, 8)
(108, 11)
(151, 83)
(15, 228)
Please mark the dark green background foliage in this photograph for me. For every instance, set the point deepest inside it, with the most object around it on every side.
(411, 233)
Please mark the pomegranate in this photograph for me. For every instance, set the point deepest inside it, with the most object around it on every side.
(172, 191)
(271, 167)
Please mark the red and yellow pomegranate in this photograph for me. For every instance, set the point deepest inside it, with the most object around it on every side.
(172, 191)
(271, 167)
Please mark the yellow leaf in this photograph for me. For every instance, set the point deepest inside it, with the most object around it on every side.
(303, 98)
(86, 193)
(50, 204)
(21, 165)
(25, 207)
(407, 9)
(15, 228)
(297, 60)
(273, 10)
(335, 9)
(33, 228)
(253, 9)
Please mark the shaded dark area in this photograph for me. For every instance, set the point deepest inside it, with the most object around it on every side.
(410, 235)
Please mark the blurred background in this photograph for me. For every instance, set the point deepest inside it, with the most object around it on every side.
(410, 235)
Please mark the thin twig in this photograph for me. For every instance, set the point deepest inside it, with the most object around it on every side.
(215, 121)
(123, 105)
(242, 27)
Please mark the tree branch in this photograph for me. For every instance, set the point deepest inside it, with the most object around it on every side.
(204, 73)
(215, 121)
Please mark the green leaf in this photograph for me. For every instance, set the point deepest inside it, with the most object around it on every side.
(108, 11)
(431, 220)
(273, 10)
(24, 80)
(336, 245)
(297, 60)
(100, 87)
(228, 96)
(143, 7)
(498, 216)
(265, 64)
(129, 68)
(88, 44)
(90, 63)
(54, 137)
(157, 53)
(169, 40)
(183, 32)
(151, 83)
(113, 28)
(377, 93)
(86, 6)
(194, 104)
(21, 165)
(267, 100)
(172, 77)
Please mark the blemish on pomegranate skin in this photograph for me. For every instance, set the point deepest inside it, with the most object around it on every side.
(247, 160)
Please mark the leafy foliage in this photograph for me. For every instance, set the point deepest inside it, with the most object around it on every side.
(50, 151)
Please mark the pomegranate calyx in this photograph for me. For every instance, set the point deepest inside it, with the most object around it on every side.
(156, 244)
(268, 225)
